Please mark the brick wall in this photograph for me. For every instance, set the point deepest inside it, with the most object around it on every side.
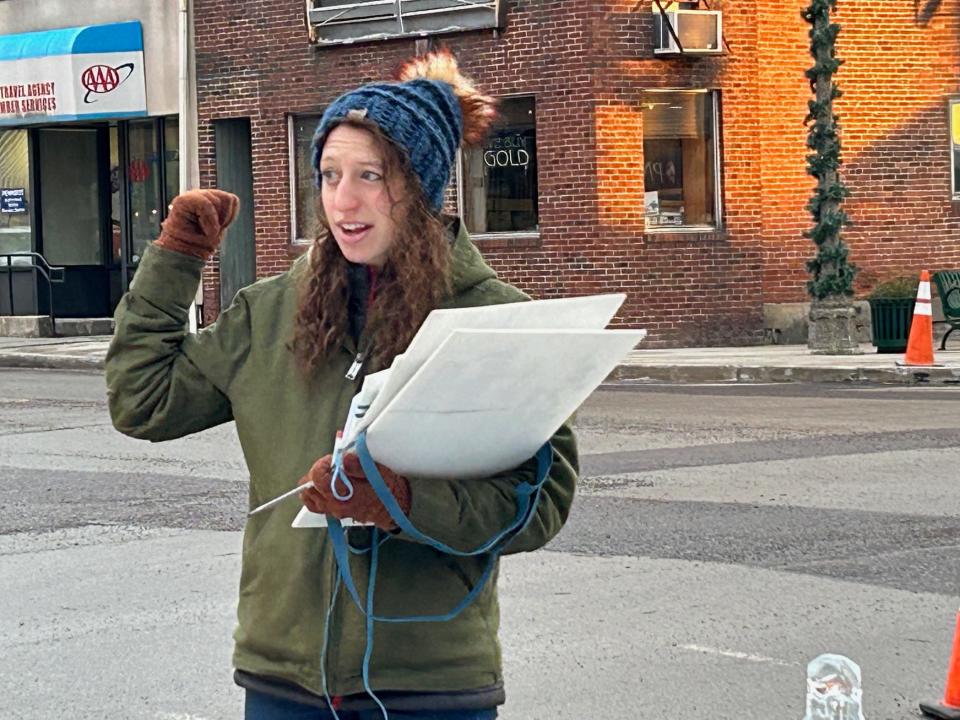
(587, 62)
(688, 289)
(902, 65)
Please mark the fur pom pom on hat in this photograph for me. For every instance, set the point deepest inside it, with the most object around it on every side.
(428, 112)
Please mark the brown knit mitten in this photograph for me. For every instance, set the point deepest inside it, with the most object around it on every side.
(197, 221)
(364, 506)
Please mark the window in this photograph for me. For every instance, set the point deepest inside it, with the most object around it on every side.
(171, 158)
(116, 205)
(153, 178)
(345, 21)
(306, 226)
(498, 181)
(955, 146)
(498, 188)
(143, 171)
(680, 156)
(14, 195)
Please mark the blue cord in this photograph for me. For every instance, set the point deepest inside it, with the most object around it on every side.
(374, 546)
(368, 652)
(326, 639)
(339, 474)
(528, 497)
(524, 492)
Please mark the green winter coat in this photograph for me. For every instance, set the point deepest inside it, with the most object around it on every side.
(164, 383)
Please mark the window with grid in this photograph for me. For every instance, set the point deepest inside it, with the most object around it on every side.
(343, 21)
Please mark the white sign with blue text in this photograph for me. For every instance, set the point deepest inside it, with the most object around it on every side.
(13, 200)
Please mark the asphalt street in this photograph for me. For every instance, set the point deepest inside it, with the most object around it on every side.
(723, 536)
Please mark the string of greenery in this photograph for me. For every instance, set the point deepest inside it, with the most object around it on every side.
(831, 271)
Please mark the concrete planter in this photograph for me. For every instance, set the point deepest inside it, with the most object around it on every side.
(833, 327)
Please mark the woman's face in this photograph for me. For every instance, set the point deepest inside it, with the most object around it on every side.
(356, 201)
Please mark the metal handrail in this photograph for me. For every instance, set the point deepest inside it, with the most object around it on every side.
(37, 262)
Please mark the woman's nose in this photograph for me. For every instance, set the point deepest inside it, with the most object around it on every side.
(346, 197)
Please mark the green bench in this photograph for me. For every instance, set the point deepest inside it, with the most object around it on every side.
(948, 288)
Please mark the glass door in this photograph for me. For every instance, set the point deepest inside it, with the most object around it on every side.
(144, 175)
(70, 197)
(147, 151)
(74, 216)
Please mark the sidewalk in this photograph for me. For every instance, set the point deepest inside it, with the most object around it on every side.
(67, 353)
(756, 364)
(781, 363)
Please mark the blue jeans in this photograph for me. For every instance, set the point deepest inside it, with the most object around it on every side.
(260, 706)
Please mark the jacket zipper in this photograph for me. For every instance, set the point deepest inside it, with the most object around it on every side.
(357, 365)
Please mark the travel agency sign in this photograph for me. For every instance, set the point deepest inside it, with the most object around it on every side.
(81, 73)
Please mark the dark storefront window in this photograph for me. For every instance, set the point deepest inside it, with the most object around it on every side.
(305, 225)
(101, 193)
(680, 152)
(499, 178)
(499, 185)
(14, 193)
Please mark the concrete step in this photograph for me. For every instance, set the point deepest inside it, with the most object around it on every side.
(25, 326)
(39, 326)
(76, 327)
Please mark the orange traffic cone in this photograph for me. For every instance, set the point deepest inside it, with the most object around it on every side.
(920, 342)
(949, 709)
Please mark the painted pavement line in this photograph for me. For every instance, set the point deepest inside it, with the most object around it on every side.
(750, 657)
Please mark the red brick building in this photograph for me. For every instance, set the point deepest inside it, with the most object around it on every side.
(678, 179)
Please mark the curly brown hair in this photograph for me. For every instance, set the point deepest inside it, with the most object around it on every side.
(411, 283)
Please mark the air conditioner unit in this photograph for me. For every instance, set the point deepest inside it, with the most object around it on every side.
(700, 32)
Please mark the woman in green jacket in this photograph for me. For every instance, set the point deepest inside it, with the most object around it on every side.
(284, 361)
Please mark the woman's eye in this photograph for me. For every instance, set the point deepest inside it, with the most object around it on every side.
(329, 176)
(371, 175)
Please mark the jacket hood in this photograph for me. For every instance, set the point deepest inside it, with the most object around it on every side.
(467, 267)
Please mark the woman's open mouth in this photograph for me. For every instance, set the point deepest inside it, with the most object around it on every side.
(354, 232)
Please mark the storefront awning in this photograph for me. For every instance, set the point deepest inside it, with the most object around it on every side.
(77, 73)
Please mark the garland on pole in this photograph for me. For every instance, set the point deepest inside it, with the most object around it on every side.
(832, 273)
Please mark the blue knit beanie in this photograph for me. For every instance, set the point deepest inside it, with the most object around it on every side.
(422, 116)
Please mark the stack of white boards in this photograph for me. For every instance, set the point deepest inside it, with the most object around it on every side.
(479, 390)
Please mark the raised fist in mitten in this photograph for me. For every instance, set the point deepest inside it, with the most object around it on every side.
(197, 221)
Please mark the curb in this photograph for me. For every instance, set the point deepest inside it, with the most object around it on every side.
(38, 361)
(784, 374)
(629, 373)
